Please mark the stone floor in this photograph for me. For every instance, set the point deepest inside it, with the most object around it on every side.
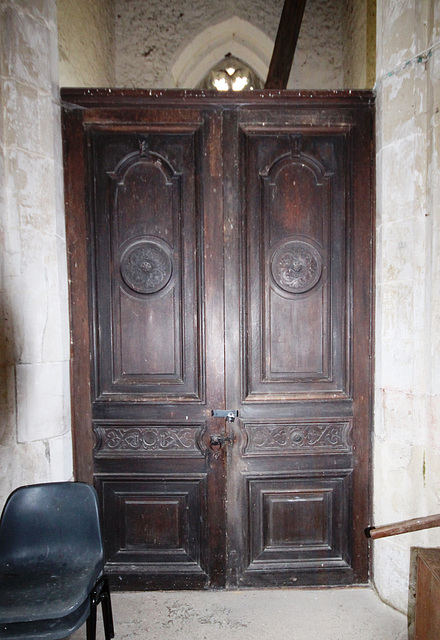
(283, 614)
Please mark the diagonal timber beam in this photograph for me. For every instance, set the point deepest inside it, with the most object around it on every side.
(285, 44)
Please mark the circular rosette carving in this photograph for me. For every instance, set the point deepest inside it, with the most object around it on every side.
(296, 266)
(146, 266)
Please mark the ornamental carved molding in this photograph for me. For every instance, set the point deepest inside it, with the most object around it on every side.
(146, 266)
(296, 266)
(147, 440)
(322, 437)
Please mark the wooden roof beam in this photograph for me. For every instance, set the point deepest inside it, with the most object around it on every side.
(285, 44)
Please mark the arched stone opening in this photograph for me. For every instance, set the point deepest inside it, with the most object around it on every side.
(234, 36)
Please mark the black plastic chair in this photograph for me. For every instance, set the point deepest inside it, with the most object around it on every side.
(51, 563)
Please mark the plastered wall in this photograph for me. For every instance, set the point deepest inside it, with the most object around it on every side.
(358, 24)
(151, 37)
(86, 43)
(407, 416)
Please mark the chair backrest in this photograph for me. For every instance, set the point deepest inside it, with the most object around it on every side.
(52, 521)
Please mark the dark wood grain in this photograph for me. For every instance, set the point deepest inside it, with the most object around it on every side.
(427, 611)
(77, 235)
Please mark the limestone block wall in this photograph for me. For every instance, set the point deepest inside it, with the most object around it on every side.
(35, 439)
(152, 36)
(407, 417)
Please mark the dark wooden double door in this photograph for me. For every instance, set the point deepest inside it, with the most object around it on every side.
(221, 261)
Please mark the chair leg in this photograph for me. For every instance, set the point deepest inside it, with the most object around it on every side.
(91, 620)
(101, 594)
(107, 614)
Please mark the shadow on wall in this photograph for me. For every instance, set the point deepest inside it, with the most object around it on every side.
(7, 392)
(7, 376)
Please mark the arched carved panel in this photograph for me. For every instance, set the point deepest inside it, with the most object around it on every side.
(295, 267)
(144, 201)
(147, 195)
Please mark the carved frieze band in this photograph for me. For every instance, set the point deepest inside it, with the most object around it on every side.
(304, 437)
(147, 440)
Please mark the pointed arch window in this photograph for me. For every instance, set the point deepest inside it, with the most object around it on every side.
(231, 74)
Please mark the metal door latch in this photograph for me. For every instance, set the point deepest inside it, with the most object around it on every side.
(225, 413)
(218, 440)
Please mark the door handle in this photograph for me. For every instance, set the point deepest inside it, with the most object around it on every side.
(218, 440)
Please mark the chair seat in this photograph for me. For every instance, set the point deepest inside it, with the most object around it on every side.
(55, 628)
(52, 563)
(37, 594)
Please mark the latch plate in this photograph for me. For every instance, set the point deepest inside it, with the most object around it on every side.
(225, 413)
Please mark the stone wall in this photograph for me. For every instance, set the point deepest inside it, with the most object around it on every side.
(407, 420)
(35, 440)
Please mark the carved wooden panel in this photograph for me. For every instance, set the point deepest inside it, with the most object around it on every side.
(299, 520)
(156, 520)
(298, 437)
(147, 274)
(295, 269)
(153, 217)
(148, 440)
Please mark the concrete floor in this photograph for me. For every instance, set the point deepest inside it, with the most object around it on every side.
(282, 614)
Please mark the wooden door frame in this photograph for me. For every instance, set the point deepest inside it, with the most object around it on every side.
(77, 235)
(78, 103)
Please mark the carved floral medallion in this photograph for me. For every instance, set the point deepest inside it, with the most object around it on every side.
(146, 266)
(296, 266)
